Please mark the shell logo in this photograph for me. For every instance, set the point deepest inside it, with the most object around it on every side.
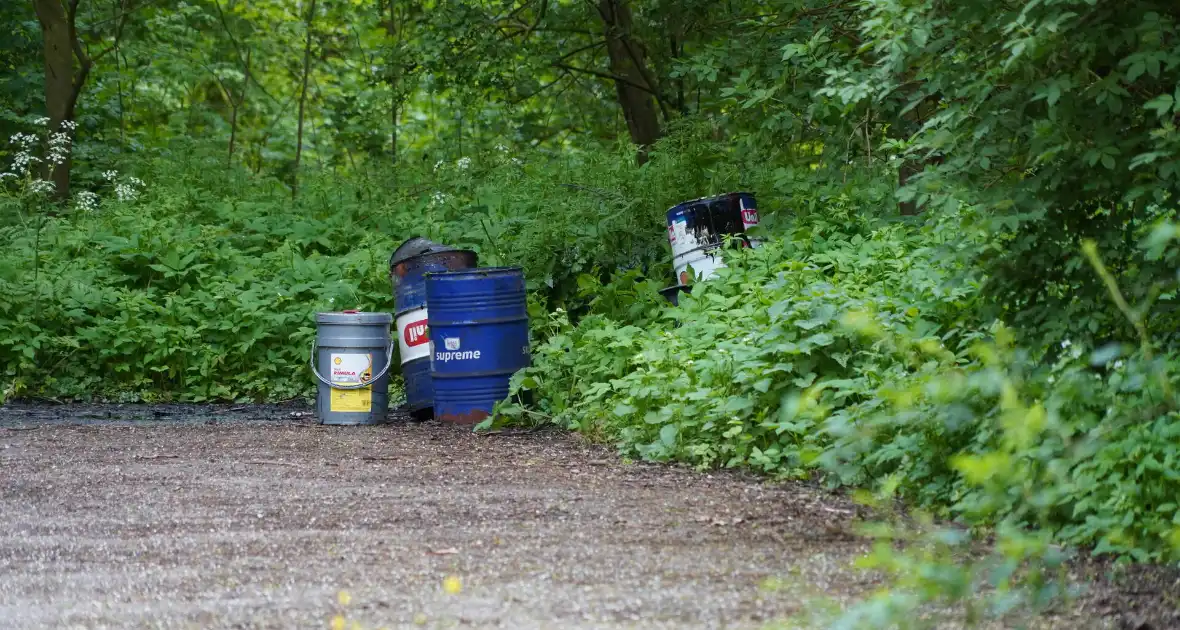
(336, 360)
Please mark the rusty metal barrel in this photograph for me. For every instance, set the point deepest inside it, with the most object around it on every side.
(479, 329)
(408, 267)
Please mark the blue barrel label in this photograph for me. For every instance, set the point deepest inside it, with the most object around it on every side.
(454, 352)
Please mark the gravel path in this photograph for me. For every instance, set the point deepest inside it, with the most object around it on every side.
(223, 517)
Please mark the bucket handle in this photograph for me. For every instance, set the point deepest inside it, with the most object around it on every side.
(369, 383)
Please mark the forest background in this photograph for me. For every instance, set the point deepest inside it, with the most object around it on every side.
(966, 299)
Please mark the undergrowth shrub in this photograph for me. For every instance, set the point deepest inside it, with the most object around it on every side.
(850, 348)
(724, 378)
(203, 283)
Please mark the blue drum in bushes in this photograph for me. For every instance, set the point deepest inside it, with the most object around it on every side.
(407, 271)
(479, 337)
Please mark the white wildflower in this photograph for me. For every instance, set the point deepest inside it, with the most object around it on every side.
(463, 163)
(42, 186)
(1118, 364)
(1065, 344)
(42, 121)
(86, 201)
(126, 192)
(4, 176)
(516, 161)
(438, 198)
(59, 148)
(438, 165)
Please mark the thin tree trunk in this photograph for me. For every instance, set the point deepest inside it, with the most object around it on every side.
(119, 86)
(302, 100)
(637, 95)
(393, 114)
(60, 82)
(912, 121)
(391, 31)
(235, 105)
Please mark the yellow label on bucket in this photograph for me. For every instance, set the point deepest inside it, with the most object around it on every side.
(352, 400)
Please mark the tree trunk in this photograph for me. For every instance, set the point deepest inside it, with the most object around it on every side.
(302, 101)
(911, 122)
(391, 31)
(904, 173)
(235, 105)
(61, 85)
(635, 85)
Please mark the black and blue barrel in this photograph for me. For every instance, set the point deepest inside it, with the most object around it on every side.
(407, 271)
(697, 230)
(479, 329)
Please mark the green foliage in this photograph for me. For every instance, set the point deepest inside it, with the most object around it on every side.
(183, 294)
(734, 375)
(1055, 118)
(858, 357)
(1001, 354)
(202, 285)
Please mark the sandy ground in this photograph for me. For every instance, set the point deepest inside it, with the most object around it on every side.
(255, 517)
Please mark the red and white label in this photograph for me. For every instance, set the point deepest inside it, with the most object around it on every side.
(413, 335)
(749, 217)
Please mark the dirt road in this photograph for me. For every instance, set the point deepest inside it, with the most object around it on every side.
(257, 518)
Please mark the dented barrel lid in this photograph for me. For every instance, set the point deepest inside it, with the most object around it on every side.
(417, 246)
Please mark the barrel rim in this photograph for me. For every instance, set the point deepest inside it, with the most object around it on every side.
(467, 252)
(399, 313)
(710, 198)
(359, 318)
(473, 271)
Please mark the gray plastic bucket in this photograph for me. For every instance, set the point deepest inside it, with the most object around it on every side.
(353, 353)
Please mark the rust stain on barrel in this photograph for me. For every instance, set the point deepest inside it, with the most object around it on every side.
(473, 417)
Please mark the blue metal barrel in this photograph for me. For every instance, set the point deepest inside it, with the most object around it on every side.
(479, 329)
(407, 271)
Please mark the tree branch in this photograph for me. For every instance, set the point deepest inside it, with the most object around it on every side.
(84, 62)
(143, 5)
(604, 75)
(238, 51)
(540, 89)
(122, 21)
(540, 16)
